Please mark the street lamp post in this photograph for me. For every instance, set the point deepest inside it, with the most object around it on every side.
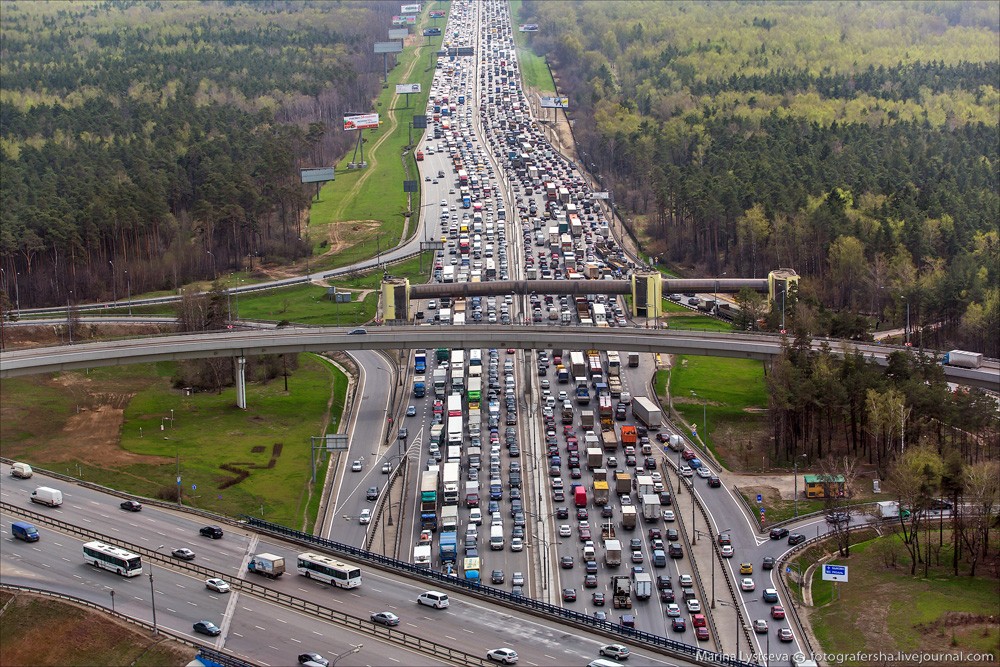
(152, 593)
(128, 282)
(736, 612)
(112, 600)
(337, 657)
(114, 283)
(714, 547)
(214, 268)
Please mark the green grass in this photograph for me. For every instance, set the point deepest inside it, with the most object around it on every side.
(726, 389)
(698, 323)
(533, 68)
(307, 304)
(936, 614)
(783, 509)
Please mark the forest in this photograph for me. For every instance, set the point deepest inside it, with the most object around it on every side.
(856, 142)
(145, 145)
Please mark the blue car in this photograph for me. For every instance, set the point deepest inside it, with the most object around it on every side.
(496, 492)
(695, 464)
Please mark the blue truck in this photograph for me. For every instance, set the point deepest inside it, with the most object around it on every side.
(420, 361)
(419, 386)
(24, 531)
(449, 547)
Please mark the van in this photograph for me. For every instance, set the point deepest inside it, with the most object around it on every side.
(45, 495)
(476, 516)
(601, 662)
(659, 558)
(434, 599)
(24, 531)
(20, 470)
(496, 537)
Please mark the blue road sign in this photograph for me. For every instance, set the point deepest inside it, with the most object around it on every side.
(194, 487)
(760, 498)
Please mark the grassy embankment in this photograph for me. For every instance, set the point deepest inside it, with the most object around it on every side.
(534, 72)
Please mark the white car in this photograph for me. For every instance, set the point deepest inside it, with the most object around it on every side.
(217, 585)
(747, 584)
(673, 610)
(565, 530)
(657, 477)
(366, 516)
(693, 606)
(516, 544)
(507, 656)
(668, 515)
(727, 551)
(356, 466)
(704, 472)
(686, 581)
(686, 471)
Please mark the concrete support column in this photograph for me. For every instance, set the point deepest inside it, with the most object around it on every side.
(241, 382)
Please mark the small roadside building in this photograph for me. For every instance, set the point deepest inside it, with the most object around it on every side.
(824, 486)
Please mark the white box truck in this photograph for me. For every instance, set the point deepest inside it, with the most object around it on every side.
(496, 538)
(269, 565)
(45, 495)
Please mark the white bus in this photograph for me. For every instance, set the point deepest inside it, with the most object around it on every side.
(116, 559)
(475, 357)
(328, 570)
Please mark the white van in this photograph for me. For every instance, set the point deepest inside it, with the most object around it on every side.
(45, 495)
(22, 470)
(601, 662)
(434, 599)
(496, 537)
(476, 516)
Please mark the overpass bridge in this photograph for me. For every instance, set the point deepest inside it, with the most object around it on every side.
(240, 344)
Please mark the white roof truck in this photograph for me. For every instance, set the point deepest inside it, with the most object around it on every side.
(269, 565)
(647, 412)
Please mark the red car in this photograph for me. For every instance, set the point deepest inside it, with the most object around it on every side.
(654, 534)
(585, 534)
(688, 455)
(777, 612)
(701, 633)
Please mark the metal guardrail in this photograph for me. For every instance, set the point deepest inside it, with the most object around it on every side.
(215, 656)
(648, 639)
(412, 642)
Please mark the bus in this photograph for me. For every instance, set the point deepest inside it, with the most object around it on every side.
(116, 559)
(475, 357)
(328, 570)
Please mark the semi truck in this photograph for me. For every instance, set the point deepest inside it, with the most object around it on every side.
(601, 493)
(963, 359)
(643, 585)
(612, 553)
(650, 507)
(647, 412)
(269, 565)
(628, 517)
(428, 500)
(621, 591)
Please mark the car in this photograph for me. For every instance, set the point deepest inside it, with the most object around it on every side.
(779, 533)
(668, 515)
(210, 531)
(313, 658)
(838, 517)
(517, 579)
(516, 544)
(704, 472)
(777, 612)
(672, 535)
(217, 585)
(686, 471)
(565, 530)
(701, 633)
(785, 634)
(357, 332)
(402, 434)
(365, 517)
(372, 493)
(356, 465)
(411, 411)
(686, 581)
(760, 626)
(667, 595)
(600, 615)
(497, 576)
(597, 599)
(386, 618)
(678, 625)
(207, 628)
(590, 566)
(693, 605)
(131, 505)
(673, 610)
(566, 562)
(628, 620)
(746, 568)
(747, 584)
(616, 651)
(569, 595)
(768, 563)
(590, 581)
(662, 582)
(714, 482)
(183, 554)
(770, 595)
(636, 556)
(507, 656)
(581, 514)
(727, 551)
(796, 538)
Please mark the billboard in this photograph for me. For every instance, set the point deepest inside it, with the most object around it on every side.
(432, 32)
(320, 175)
(406, 88)
(599, 195)
(361, 121)
(436, 14)
(410, 9)
(388, 47)
(404, 20)
(554, 102)
(399, 33)
(529, 27)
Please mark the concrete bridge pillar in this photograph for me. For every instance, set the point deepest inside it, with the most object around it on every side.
(395, 299)
(647, 294)
(241, 381)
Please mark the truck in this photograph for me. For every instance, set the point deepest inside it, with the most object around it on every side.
(623, 483)
(419, 386)
(629, 436)
(496, 538)
(449, 483)
(963, 359)
(587, 420)
(633, 359)
(615, 386)
(449, 518)
(428, 500)
(643, 585)
(440, 382)
(889, 509)
(562, 373)
(20, 470)
(23, 530)
(442, 354)
(604, 405)
(583, 311)
(580, 496)
(621, 591)
(647, 412)
(577, 364)
(609, 439)
(607, 530)
(269, 565)
(601, 475)
(567, 412)
(420, 362)
(650, 507)
(45, 495)
(595, 458)
(628, 517)
(422, 555)
(582, 394)
(472, 494)
(448, 546)
(470, 566)
(644, 485)
(601, 493)
(612, 553)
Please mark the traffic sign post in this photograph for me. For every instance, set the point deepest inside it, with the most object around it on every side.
(835, 573)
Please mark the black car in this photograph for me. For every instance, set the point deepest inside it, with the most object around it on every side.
(562, 512)
(131, 505)
(207, 628)
(497, 577)
(838, 517)
(372, 493)
(607, 512)
(665, 498)
(674, 550)
(403, 433)
(714, 482)
(211, 531)
(796, 538)
(768, 563)
(779, 533)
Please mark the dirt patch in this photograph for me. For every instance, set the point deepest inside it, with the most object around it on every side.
(92, 435)
(771, 494)
(340, 235)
